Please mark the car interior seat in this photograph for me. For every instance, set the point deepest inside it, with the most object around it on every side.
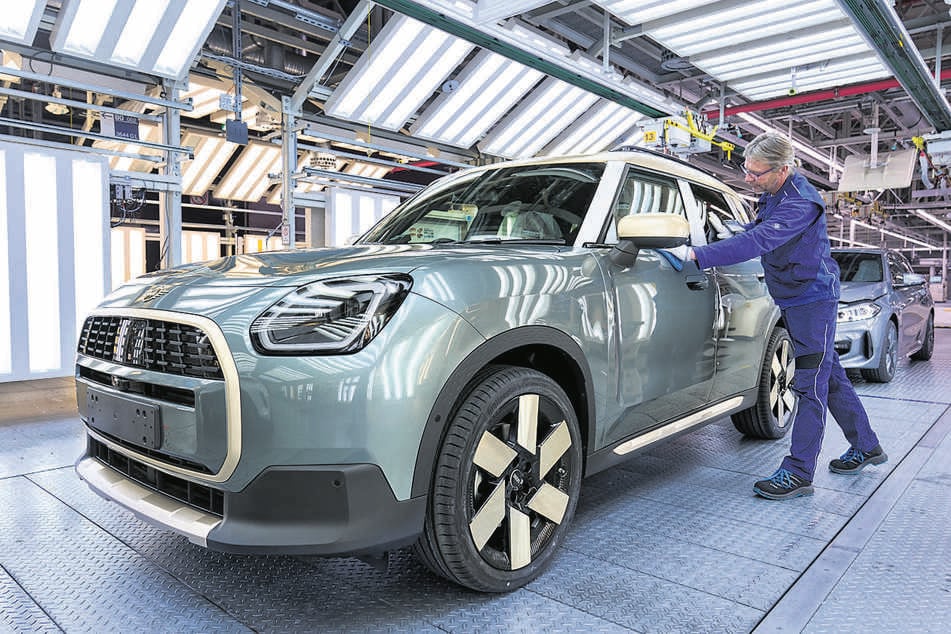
(868, 271)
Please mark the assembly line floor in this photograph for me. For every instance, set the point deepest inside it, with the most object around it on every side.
(671, 541)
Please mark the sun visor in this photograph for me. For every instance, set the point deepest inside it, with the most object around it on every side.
(892, 170)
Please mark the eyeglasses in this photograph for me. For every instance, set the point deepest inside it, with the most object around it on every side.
(749, 172)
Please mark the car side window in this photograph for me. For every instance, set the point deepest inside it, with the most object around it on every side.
(643, 193)
(715, 211)
(895, 268)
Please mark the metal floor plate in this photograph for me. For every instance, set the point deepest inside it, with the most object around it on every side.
(671, 541)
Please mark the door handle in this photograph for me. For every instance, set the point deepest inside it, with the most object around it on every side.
(697, 282)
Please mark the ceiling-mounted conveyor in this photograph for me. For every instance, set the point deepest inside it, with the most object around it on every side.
(878, 22)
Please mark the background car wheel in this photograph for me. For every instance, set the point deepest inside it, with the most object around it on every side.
(888, 361)
(927, 346)
(506, 483)
(776, 403)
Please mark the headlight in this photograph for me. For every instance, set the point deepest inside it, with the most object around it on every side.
(330, 317)
(856, 312)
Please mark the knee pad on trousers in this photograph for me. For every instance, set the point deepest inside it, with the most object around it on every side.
(809, 361)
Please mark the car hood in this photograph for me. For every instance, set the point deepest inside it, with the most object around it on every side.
(232, 278)
(862, 291)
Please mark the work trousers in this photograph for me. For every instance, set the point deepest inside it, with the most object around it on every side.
(821, 384)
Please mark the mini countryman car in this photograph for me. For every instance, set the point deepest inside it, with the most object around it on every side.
(886, 312)
(446, 381)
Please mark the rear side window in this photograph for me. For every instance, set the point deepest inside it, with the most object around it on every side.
(713, 204)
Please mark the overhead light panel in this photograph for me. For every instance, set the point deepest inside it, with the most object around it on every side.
(596, 130)
(488, 87)
(158, 37)
(748, 44)
(400, 69)
(248, 178)
(545, 113)
(211, 153)
(20, 20)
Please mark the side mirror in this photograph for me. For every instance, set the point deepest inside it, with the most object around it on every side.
(912, 279)
(648, 231)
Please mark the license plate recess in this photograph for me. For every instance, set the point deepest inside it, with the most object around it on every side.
(124, 418)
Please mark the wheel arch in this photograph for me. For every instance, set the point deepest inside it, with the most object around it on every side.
(542, 348)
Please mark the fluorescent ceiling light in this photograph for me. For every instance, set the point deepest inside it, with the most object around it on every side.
(20, 20)
(638, 12)
(247, 179)
(132, 43)
(158, 37)
(895, 235)
(546, 112)
(399, 71)
(190, 31)
(932, 219)
(801, 147)
(748, 44)
(211, 153)
(488, 87)
(368, 170)
(596, 130)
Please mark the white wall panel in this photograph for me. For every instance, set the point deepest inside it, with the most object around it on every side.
(54, 231)
(351, 212)
(42, 266)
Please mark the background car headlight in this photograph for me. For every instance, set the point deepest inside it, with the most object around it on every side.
(330, 317)
(856, 312)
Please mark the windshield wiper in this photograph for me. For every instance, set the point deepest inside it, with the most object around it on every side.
(555, 241)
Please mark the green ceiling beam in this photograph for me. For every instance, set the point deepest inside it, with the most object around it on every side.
(880, 25)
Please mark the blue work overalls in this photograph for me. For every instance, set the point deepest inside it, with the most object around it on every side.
(789, 235)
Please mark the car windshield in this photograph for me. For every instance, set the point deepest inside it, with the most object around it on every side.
(859, 267)
(535, 203)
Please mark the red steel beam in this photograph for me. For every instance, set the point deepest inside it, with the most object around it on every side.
(811, 97)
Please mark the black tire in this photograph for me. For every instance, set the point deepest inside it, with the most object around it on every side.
(776, 403)
(927, 346)
(888, 361)
(498, 510)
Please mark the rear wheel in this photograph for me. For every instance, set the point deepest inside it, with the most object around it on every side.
(776, 403)
(927, 346)
(888, 361)
(506, 483)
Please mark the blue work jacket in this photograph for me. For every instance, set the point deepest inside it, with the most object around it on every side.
(789, 235)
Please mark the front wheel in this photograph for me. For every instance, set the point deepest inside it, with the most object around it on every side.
(927, 345)
(888, 361)
(506, 483)
(776, 402)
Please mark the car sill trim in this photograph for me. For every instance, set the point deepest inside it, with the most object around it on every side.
(147, 504)
(676, 427)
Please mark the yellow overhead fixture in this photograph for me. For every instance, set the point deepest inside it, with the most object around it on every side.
(57, 108)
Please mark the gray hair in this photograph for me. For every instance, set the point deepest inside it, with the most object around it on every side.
(771, 148)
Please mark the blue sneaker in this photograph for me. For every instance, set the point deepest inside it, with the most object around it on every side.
(853, 460)
(782, 485)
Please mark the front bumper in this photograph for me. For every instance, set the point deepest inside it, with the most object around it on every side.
(858, 343)
(316, 510)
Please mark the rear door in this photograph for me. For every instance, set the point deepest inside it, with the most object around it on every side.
(745, 309)
(910, 300)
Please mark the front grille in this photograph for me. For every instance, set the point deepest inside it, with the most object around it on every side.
(199, 496)
(150, 344)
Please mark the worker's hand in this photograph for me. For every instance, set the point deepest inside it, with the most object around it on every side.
(723, 232)
(677, 255)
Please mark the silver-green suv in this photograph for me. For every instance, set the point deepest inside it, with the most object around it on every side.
(446, 381)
